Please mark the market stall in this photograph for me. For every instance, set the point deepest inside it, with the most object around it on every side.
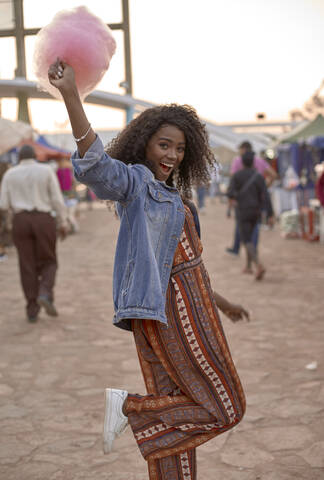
(298, 154)
(44, 153)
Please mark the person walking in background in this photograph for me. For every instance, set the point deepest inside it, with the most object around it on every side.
(202, 192)
(215, 180)
(66, 181)
(259, 163)
(162, 292)
(263, 167)
(3, 219)
(247, 192)
(32, 192)
(320, 195)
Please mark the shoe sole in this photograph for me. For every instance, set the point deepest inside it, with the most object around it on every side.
(260, 275)
(107, 444)
(48, 306)
(32, 319)
(232, 253)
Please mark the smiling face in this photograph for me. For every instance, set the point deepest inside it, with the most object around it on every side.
(165, 151)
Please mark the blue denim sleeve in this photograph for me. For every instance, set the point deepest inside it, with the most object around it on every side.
(108, 178)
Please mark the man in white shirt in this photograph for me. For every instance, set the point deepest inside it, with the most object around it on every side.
(31, 190)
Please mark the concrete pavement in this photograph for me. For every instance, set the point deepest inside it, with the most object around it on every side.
(52, 373)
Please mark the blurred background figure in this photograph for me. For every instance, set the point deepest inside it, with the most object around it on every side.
(247, 194)
(31, 190)
(320, 196)
(212, 190)
(90, 198)
(202, 192)
(320, 183)
(4, 234)
(267, 171)
(67, 184)
(216, 179)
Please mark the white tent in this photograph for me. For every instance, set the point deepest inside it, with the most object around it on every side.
(13, 133)
(225, 142)
(67, 142)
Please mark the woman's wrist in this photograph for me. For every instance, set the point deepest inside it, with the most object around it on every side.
(70, 94)
(222, 303)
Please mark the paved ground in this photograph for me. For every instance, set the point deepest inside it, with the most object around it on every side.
(53, 373)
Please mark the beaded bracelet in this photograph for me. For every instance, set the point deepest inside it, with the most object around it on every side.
(83, 136)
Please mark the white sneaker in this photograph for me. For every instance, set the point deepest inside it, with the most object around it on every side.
(115, 421)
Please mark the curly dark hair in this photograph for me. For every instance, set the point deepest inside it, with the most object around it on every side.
(130, 145)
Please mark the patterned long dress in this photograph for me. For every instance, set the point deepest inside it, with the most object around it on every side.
(194, 393)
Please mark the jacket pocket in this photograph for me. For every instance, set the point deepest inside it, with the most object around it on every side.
(158, 195)
(157, 204)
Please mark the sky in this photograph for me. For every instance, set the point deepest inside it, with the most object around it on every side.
(230, 59)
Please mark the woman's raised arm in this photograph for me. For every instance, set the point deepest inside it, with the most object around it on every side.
(61, 75)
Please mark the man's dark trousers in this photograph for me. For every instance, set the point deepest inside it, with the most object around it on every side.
(34, 235)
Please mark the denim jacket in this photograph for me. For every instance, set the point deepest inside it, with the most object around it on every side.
(151, 221)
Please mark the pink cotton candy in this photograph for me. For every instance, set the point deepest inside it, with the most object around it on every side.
(80, 39)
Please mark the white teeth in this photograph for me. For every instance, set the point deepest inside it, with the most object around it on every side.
(167, 164)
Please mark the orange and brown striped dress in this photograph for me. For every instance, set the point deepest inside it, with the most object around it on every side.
(193, 390)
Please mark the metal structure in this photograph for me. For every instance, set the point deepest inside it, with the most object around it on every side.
(23, 89)
(18, 89)
(9, 88)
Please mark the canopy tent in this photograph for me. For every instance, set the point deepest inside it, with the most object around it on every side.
(227, 138)
(45, 153)
(65, 141)
(13, 133)
(225, 142)
(297, 154)
(305, 131)
(43, 141)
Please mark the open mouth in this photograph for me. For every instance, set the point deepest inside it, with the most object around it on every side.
(166, 167)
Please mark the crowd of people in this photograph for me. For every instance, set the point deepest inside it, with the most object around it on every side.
(251, 204)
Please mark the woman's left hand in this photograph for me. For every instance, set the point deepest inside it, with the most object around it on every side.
(236, 313)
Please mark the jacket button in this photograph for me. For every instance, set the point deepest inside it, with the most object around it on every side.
(166, 265)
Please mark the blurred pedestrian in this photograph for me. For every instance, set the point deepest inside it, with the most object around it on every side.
(320, 195)
(202, 192)
(90, 198)
(3, 219)
(32, 192)
(247, 193)
(162, 291)
(320, 184)
(215, 180)
(263, 167)
(67, 184)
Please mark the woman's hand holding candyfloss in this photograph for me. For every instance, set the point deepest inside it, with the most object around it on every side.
(75, 38)
(61, 76)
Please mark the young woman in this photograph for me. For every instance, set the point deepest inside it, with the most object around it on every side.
(161, 289)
